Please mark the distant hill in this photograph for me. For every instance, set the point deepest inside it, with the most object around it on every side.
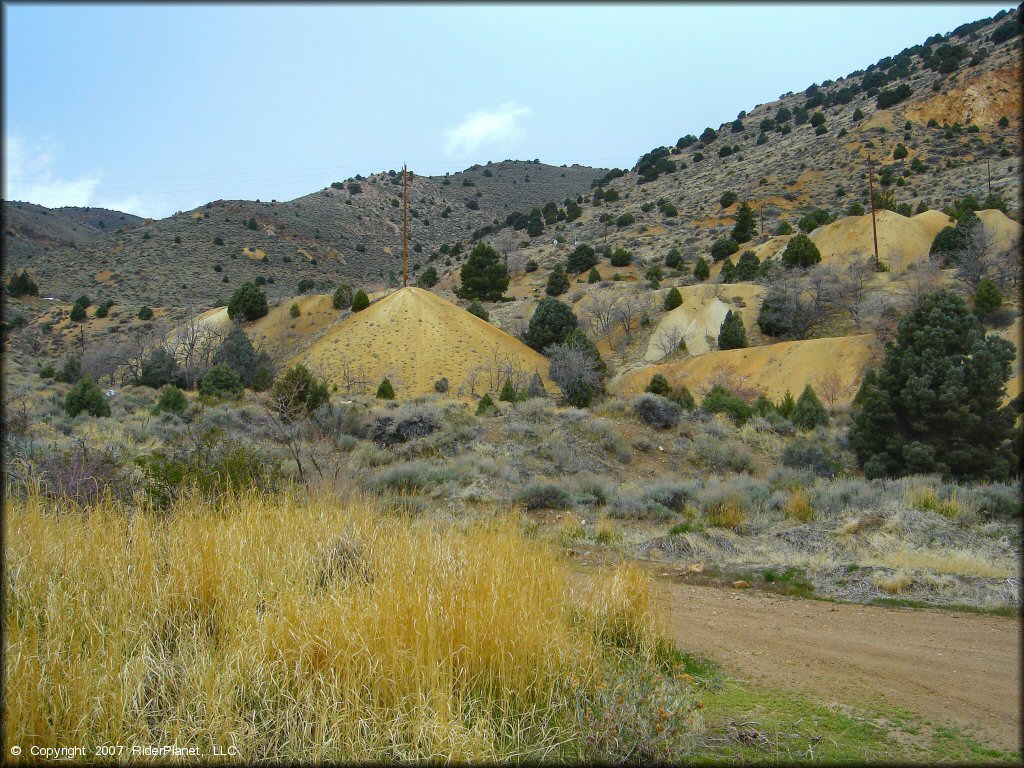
(349, 231)
(30, 228)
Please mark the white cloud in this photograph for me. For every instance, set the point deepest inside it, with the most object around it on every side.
(29, 176)
(500, 126)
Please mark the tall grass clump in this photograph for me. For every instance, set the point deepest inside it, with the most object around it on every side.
(296, 627)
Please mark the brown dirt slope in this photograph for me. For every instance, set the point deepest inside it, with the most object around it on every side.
(415, 337)
(771, 369)
(963, 668)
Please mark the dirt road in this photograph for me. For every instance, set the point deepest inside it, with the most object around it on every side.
(951, 668)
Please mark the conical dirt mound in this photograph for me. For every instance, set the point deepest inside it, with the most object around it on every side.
(415, 338)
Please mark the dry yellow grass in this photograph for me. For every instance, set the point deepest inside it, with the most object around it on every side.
(415, 337)
(798, 506)
(295, 628)
(981, 100)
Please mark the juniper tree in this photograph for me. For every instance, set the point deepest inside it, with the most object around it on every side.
(935, 404)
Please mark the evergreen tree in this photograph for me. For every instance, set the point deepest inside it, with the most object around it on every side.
(809, 412)
(659, 386)
(728, 271)
(801, 252)
(935, 405)
(673, 299)
(508, 392)
(478, 309)
(987, 298)
(360, 301)
(558, 281)
(551, 323)
(22, 284)
(486, 406)
(674, 259)
(746, 225)
(483, 276)
(86, 396)
(732, 335)
(786, 405)
(581, 259)
(747, 266)
(247, 303)
(385, 391)
(221, 381)
(722, 247)
(702, 270)
(594, 276)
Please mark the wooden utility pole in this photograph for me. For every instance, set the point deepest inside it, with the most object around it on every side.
(761, 211)
(405, 226)
(988, 164)
(874, 227)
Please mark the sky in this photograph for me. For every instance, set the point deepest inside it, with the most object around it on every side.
(152, 109)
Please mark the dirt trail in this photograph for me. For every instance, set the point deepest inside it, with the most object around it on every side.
(951, 668)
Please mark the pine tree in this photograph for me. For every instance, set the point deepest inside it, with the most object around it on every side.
(732, 335)
(786, 405)
(385, 391)
(594, 276)
(673, 299)
(746, 225)
(935, 405)
(702, 270)
(483, 276)
(558, 281)
(360, 301)
(809, 412)
(247, 303)
(508, 392)
(551, 323)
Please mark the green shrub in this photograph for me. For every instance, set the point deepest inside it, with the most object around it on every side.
(86, 396)
(987, 298)
(673, 299)
(816, 457)
(814, 219)
(485, 406)
(593, 276)
(728, 198)
(809, 412)
(77, 313)
(478, 309)
(723, 247)
(47, 372)
(732, 334)
(721, 400)
(172, 400)
(297, 392)
(702, 270)
(247, 303)
(360, 301)
(899, 152)
(621, 258)
(784, 228)
(801, 251)
(581, 259)
(558, 281)
(551, 323)
(385, 391)
(145, 313)
(221, 381)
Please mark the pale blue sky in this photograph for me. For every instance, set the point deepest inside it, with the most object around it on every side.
(153, 109)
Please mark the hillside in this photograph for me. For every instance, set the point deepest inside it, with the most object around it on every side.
(415, 338)
(346, 232)
(30, 229)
